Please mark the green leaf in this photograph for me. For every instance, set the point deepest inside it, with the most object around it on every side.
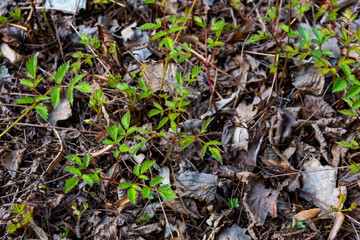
(205, 125)
(159, 35)
(60, 74)
(145, 192)
(216, 154)
(186, 142)
(70, 95)
(136, 187)
(108, 142)
(346, 69)
(162, 122)
(143, 177)
(83, 87)
(24, 100)
(132, 195)
(113, 132)
(156, 180)
(353, 91)
(86, 160)
(125, 120)
(76, 79)
(148, 26)
(75, 159)
(70, 183)
(125, 185)
(176, 29)
(168, 194)
(305, 34)
(73, 170)
(78, 55)
(124, 148)
(146, 165)
(347, 112)
(31, 66)
(87, 179)
(27, 83)
(42, 111)
(55, 96)
(41, 98)
(339, 85)
(199, 21)
(203, 151)
(136, 170)
(164, 187)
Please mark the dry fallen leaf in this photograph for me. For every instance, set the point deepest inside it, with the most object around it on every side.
(320, 182)
(234, 232)
(307, 214)
(61, 112)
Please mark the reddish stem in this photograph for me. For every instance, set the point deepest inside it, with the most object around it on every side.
(207, 63)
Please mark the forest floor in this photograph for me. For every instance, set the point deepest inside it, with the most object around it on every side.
(265, 163)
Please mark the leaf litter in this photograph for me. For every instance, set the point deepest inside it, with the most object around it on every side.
(279, 132)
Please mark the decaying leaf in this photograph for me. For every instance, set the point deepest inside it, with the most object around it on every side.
(12, 160)
(318, 107)
(61, 112)
(307, 214)
(10, 54)
(214, 221)
(192, 184)
(154, 73)
(234, 232)
(320, 182)
(309, 79)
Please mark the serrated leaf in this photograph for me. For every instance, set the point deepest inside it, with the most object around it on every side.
(70, 183)
(146, 165)
(76, 79)
(148, 26)
(175, 29)
(70, 95)
(31, 66)
(186, 142)
(143, 177)
(158, 35)
(124, 148)
(199, 21)
(83, 87)
(164, 187)
(78, 55)
(145, 192)
(27, 83)
(95, 178)
(73, 170)
(346, 69)
(203, 151)
(132, 195)
(136, 170)
(41, 98)
(42, 111)
(304, 33)
(162, 122)
(347, 112)
(353, 91)
(125, 120)
(55, 96)
(168, 194)
(216, 153)
(339, 85)
(24, 100)
(86, 160)
(154, 112)
(87, 179)
(125, 185)
(136, 187)
(75, 159)
(113, 132)
(156, 180)
(60, 74)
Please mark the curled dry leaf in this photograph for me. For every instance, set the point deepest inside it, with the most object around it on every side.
(11, 54)
(154, 72)
(234, 232)
(12, 160)
(318, 107)
(309, 79)
(192, 184)
(321, 139)
(61, 112)
(307, 214)
(214, 221)
(339, 219)
(320, 182)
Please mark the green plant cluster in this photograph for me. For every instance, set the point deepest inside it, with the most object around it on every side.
(22, 218)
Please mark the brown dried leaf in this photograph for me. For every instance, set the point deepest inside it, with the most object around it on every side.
(309, 79)
(191, 184)
(13, 56)
(307, 214)
(318, 107)
(235, 233)
(12, 160)
(61, 112)
(320, 182)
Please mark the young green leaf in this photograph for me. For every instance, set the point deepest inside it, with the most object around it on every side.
(55, 96)
(146, 165)
(73, 170)
(124, 148)
(70, 95)
(24, 100)
(87, 179)
(60, 74)
(31, 66)
(86, 160)
(162, 122)
(132, 195)
(145, 192)
(125, 120)
(136, 170)
(70, 183)
(168, 194)
(83, 87)
(216, 154)
(156, 180)
(125, 185)
(42, 111)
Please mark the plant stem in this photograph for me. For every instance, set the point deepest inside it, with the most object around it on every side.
(17, 120)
